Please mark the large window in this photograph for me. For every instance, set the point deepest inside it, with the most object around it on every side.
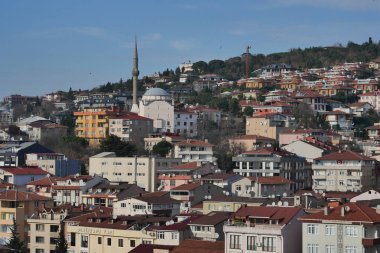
(251, 242)
(330, 249)
(160, 235)
(120, 242)
(109, 241)
(312, 229)
(54, 228)
(235, 242)
(84, 241)
(351, 249)
(40, 239)
(330, 229)
(269, 244)
(312, 248)
(99, 240)
(132, 243)
(351, 231)
(40, 227)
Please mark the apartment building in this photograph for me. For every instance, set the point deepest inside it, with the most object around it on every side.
(186, 122)
(344, 171)
(209, 227)
(92, 123)
(273, 162)
(21, 176)
(352, 228)
(264, 229)
(131, 127)
(249, 142)
(18, 205)
(192, 150)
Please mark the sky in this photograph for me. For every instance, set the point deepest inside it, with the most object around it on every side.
(46, 46)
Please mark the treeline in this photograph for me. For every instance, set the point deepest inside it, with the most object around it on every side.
(313, 57)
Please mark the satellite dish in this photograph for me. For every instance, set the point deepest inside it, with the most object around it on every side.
(286, 203)
(216, 235)
(279, 203)
(199, 176)
(171, 222)
(347, 208)
(227, 193)
(273, 203)
(167, 223)
(284, 194)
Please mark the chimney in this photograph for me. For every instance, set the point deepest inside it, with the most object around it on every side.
(342, 211)
(326, 210)
(206, 140)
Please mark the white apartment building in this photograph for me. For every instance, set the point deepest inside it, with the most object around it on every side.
(186, 123)
(343, 171)
(264, 229)
(371, 98)
(191, 150)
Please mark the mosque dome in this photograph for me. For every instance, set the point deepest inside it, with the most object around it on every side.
(156, 92)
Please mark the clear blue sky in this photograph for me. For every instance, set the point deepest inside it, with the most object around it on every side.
(48, 45)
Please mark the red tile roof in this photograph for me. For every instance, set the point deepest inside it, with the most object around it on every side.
(66, 187)
(198, 246)
(21, 196)
(150, 248)
(345, 155)
(252, 137)
(131, 116)
(46, 181)
(187, 166)
(271, 180)
(187, 187)
(25, 171)
(212, 218)
(353, 213)
(282, 214)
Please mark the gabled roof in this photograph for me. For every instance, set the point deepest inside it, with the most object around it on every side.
(283, 214)
(212, 218)
(187, 187)
(25, 171)
(187, 166)
(345, 155)
(130, 116)
(271, 180)
(252, 137)
(46, 181)
(353, 213)
(218, 176)
(156, 198)
(21, 196)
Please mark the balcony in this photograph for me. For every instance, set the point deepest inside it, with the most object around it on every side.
(264, 229)
(369, 242)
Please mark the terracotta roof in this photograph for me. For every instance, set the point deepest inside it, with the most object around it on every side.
(301, 131)
(218, 176)
(176, 177)
(156, 197)
(212, 218)
(46, 181)
(282, 214)
(66, 187)
(353, 213)
(359, 104)
(345, 155)
(193, 143)
(252, 137)
(21, 196)
(187, 187)
(25, 171)
(198, 246)
(375, 127)
(178, 226)
(271, 180)
(236, 199)
(187, 166)
(131, 116)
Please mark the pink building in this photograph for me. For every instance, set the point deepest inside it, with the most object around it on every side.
(287, 137)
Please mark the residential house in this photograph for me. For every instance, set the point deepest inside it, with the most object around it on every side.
(155, 138)
(273, 162)
(309, 148)
(154, 203)
(209, 227)
(264, 229)
(289, 136)
(43, 131)
(223, 180)
(21, 176)
(186, 122)
(272, 186)
(373, 132)
(18, 205)
(359, 109)
(371, 98)
(230, 203)
(6, 116)
(130, 127)
(316, 101)
(339, 119)
(349, 228)
(192, 150)
(249, 142)
(365, 85)
(344, 171)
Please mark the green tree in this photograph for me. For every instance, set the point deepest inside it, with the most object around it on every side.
(61, 245)
(248, 111)
(162, 148)
(200, 67)
(114, 144)
(15, 244)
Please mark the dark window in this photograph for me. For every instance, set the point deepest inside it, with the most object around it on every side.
(109, 241)
(132, 243)
(99, 240)
(120, 243)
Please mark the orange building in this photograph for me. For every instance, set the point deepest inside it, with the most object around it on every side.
(92, 123)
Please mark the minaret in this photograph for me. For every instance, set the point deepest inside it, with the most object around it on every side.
(135, 74)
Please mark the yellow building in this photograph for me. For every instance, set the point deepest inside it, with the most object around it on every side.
(224, 203)
(99, 231)
(18, 205)
(92, 124)
(269, 125)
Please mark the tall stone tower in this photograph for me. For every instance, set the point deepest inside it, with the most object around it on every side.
(135, 74)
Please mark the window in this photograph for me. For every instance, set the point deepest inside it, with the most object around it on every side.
(109, 241)
(251, 242)
(72, 239)
(351, 231)
(40, 239)
(84, 241)
(234, 241)
(172, 182)
(40, 227)
(53, 241)
(160, 235)
(40, 251)
(132, 243)
(312, 248)
(238, 187)
(350, 249)
(99, 240)
(174, 235)
(330, 249)
(269, 244)
(120, 242)
(54, 228)
(312, 229)
(330, 229)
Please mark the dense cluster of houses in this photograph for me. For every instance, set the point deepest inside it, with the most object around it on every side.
(291, 189)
